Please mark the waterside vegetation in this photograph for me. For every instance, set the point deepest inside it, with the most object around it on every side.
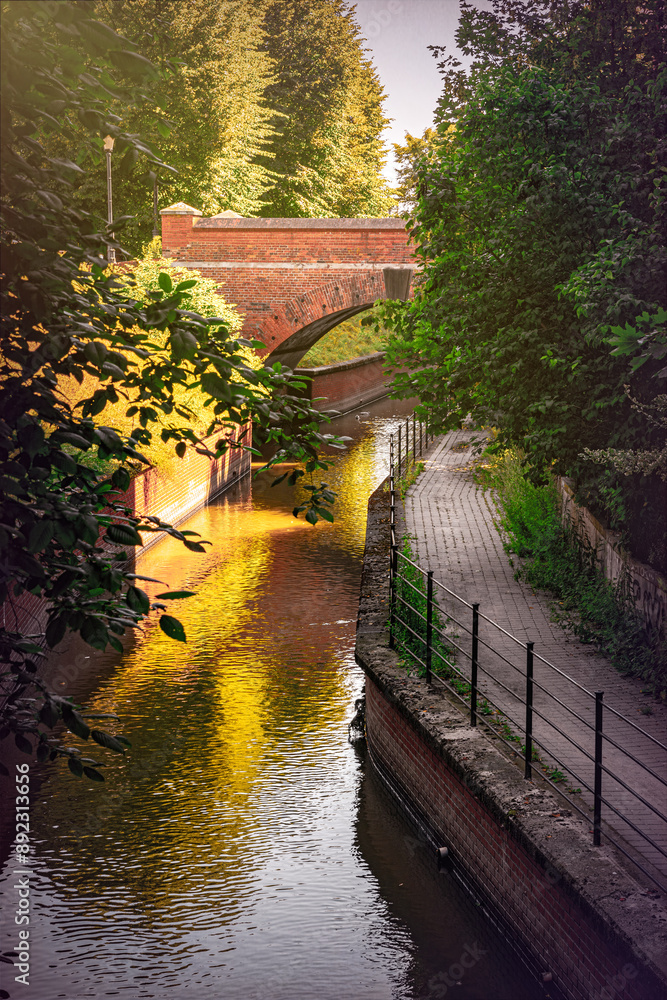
(551, 557)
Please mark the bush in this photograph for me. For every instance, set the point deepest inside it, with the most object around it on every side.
(554, 559)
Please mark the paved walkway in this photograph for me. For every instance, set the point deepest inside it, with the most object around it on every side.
(451, 521)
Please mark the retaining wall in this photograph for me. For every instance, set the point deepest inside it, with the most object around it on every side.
(649, 588)
(173, 496)
(347, 385)
(576, 912)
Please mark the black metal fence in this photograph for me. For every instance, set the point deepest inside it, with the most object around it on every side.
(533, 705)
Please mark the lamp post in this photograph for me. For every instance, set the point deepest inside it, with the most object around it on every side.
(108, 148)
(156, 217)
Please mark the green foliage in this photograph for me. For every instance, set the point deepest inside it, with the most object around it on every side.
(416, 153)
(541, 226)
(350, 339)
(203, 112)
(260, 107)
(326, 151)
(66, 536)
(553, 559)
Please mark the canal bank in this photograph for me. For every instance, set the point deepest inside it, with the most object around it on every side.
(243, 847)
(579, 917)
(347, 385)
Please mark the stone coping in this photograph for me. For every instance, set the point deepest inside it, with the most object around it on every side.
(307, 224)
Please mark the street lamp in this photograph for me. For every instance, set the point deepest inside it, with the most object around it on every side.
(156, 217)
(108, 148)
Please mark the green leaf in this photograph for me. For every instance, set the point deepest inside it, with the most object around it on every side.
(215, 386)
(173, 628)
(31, 438)
(165, 282)
(123, 534)
(134, 65)
(138, 600)
(175, 595)
(73, 721)
(91, 773)
(55, 630)
(22, 743)
(40, 535)
(75, 766)
(49, 714)
(95, 633)
(106, 740)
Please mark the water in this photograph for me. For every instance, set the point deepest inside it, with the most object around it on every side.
(244, 849)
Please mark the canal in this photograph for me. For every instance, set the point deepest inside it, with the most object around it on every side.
(245, 848)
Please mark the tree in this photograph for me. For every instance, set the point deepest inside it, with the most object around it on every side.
(203, 114)
(409, 158)
(326, 150)
(541, 224)
(65, 537)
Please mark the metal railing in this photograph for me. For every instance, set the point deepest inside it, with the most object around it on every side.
(474, 659)
(400, 454)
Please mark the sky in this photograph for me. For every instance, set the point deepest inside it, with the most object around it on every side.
(397, 34)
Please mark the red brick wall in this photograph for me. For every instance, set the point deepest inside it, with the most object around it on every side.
(349, 383)
(192, 481)
(284, 274)
(586, 965)
(171, 497)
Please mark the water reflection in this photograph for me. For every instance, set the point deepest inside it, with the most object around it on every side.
(229, 854)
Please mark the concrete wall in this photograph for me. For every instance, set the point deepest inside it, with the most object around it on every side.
(575, 912)
(648, 587)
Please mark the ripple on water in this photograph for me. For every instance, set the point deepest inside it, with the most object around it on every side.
(242, 849)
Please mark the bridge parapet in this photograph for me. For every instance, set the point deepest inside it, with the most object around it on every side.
(294, 279)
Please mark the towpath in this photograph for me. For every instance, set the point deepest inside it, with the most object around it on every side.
(451, 521)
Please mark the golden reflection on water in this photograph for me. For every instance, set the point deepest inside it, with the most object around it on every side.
(231, 733)
(221, 857)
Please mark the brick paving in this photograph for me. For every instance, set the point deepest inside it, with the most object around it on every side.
(451, 522)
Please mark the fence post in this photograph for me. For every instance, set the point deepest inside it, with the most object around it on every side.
(597, 802)
(392, 504)
(473, 664)
(429, 623)
(414, 438)
(393, 561)
(421, 437)
(528, 770)
(407, 442)
(399, 451)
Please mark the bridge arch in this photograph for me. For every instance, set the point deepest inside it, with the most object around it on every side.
(293, 279)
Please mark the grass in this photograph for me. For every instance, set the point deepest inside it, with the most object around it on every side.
(552, 558)
(347, 340)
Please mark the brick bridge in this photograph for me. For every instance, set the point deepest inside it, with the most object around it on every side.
(294, 279)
